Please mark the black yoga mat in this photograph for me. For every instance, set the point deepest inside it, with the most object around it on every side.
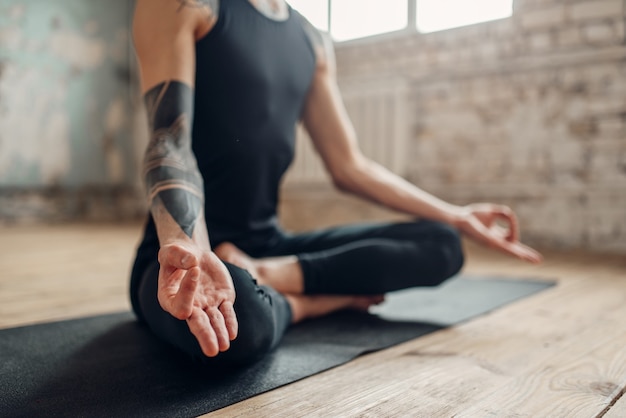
(110, 366)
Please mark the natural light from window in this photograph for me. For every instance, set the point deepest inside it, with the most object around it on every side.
(316, 11)
(434, 15)
(351, 19)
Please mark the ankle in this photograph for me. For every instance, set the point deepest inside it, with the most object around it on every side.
(283, 274)
(263, 272)
(296, 309)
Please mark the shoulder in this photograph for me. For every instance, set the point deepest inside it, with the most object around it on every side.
(164, 35)
(155, 17)
(320, 41)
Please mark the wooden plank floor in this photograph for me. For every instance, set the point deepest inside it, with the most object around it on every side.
(561, 353)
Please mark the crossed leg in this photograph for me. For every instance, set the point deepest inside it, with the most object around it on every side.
(309, 275)
(284, 274)
(358, 260)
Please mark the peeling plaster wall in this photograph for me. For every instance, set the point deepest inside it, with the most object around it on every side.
(68, 100)
(68, 108)
(529, 111)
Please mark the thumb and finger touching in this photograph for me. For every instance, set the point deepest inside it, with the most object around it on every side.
(505, 239)
(489, 215)
(507, 216)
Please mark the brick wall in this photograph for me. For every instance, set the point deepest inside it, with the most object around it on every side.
(528, 111)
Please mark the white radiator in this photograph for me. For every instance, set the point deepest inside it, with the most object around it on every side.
(379, 112)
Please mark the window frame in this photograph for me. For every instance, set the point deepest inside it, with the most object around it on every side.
(409, 29)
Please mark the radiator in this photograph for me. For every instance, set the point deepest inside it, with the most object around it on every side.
(379, 112)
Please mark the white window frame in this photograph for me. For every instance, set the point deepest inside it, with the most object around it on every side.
(410, 29)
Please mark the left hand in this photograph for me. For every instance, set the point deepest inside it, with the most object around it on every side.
(479, 222)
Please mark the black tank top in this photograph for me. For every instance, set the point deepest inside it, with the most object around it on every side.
(252, 76)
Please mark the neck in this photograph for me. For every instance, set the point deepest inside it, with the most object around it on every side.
(273, 9)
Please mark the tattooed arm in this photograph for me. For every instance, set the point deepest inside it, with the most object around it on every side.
(193, 284)
(170, 171)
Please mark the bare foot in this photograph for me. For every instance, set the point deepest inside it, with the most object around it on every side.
(282, 273)
(231, 254)
(303, 307)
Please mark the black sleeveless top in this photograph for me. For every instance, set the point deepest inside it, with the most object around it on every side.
(252, 77)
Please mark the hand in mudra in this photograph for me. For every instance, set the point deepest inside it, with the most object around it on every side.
(195, 286)
(480, 223)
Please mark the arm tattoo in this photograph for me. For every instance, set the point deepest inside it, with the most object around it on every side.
(170, 170)
(212, 6)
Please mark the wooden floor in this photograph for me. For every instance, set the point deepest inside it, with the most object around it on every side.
(560, 353)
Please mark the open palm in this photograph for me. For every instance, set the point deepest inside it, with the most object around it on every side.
(196, 286)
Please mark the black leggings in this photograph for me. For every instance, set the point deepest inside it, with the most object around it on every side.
(360, 259)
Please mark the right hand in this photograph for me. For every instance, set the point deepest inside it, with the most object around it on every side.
(479, 222)
(194, 285)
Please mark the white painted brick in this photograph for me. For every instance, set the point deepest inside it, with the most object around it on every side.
(540, 42)
(606, 219)
(547, 223)
(600, 73)
(606, 162)
(594, 9)
(569, 36)
(464, 54)
(600, 33)
(502, 28)
(444, 57)
(612, 127)
(606, 105)
(567, 154)
(534, 4)
(546, 17)
(488, 51)
(620, 28)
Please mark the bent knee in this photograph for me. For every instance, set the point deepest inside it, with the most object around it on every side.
(254, 340)
(257, 326)
(455, 256)
(454, 248)
(449, 257)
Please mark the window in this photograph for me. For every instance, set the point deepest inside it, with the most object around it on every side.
(352, 19)
(316, 11)
(434, 15)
